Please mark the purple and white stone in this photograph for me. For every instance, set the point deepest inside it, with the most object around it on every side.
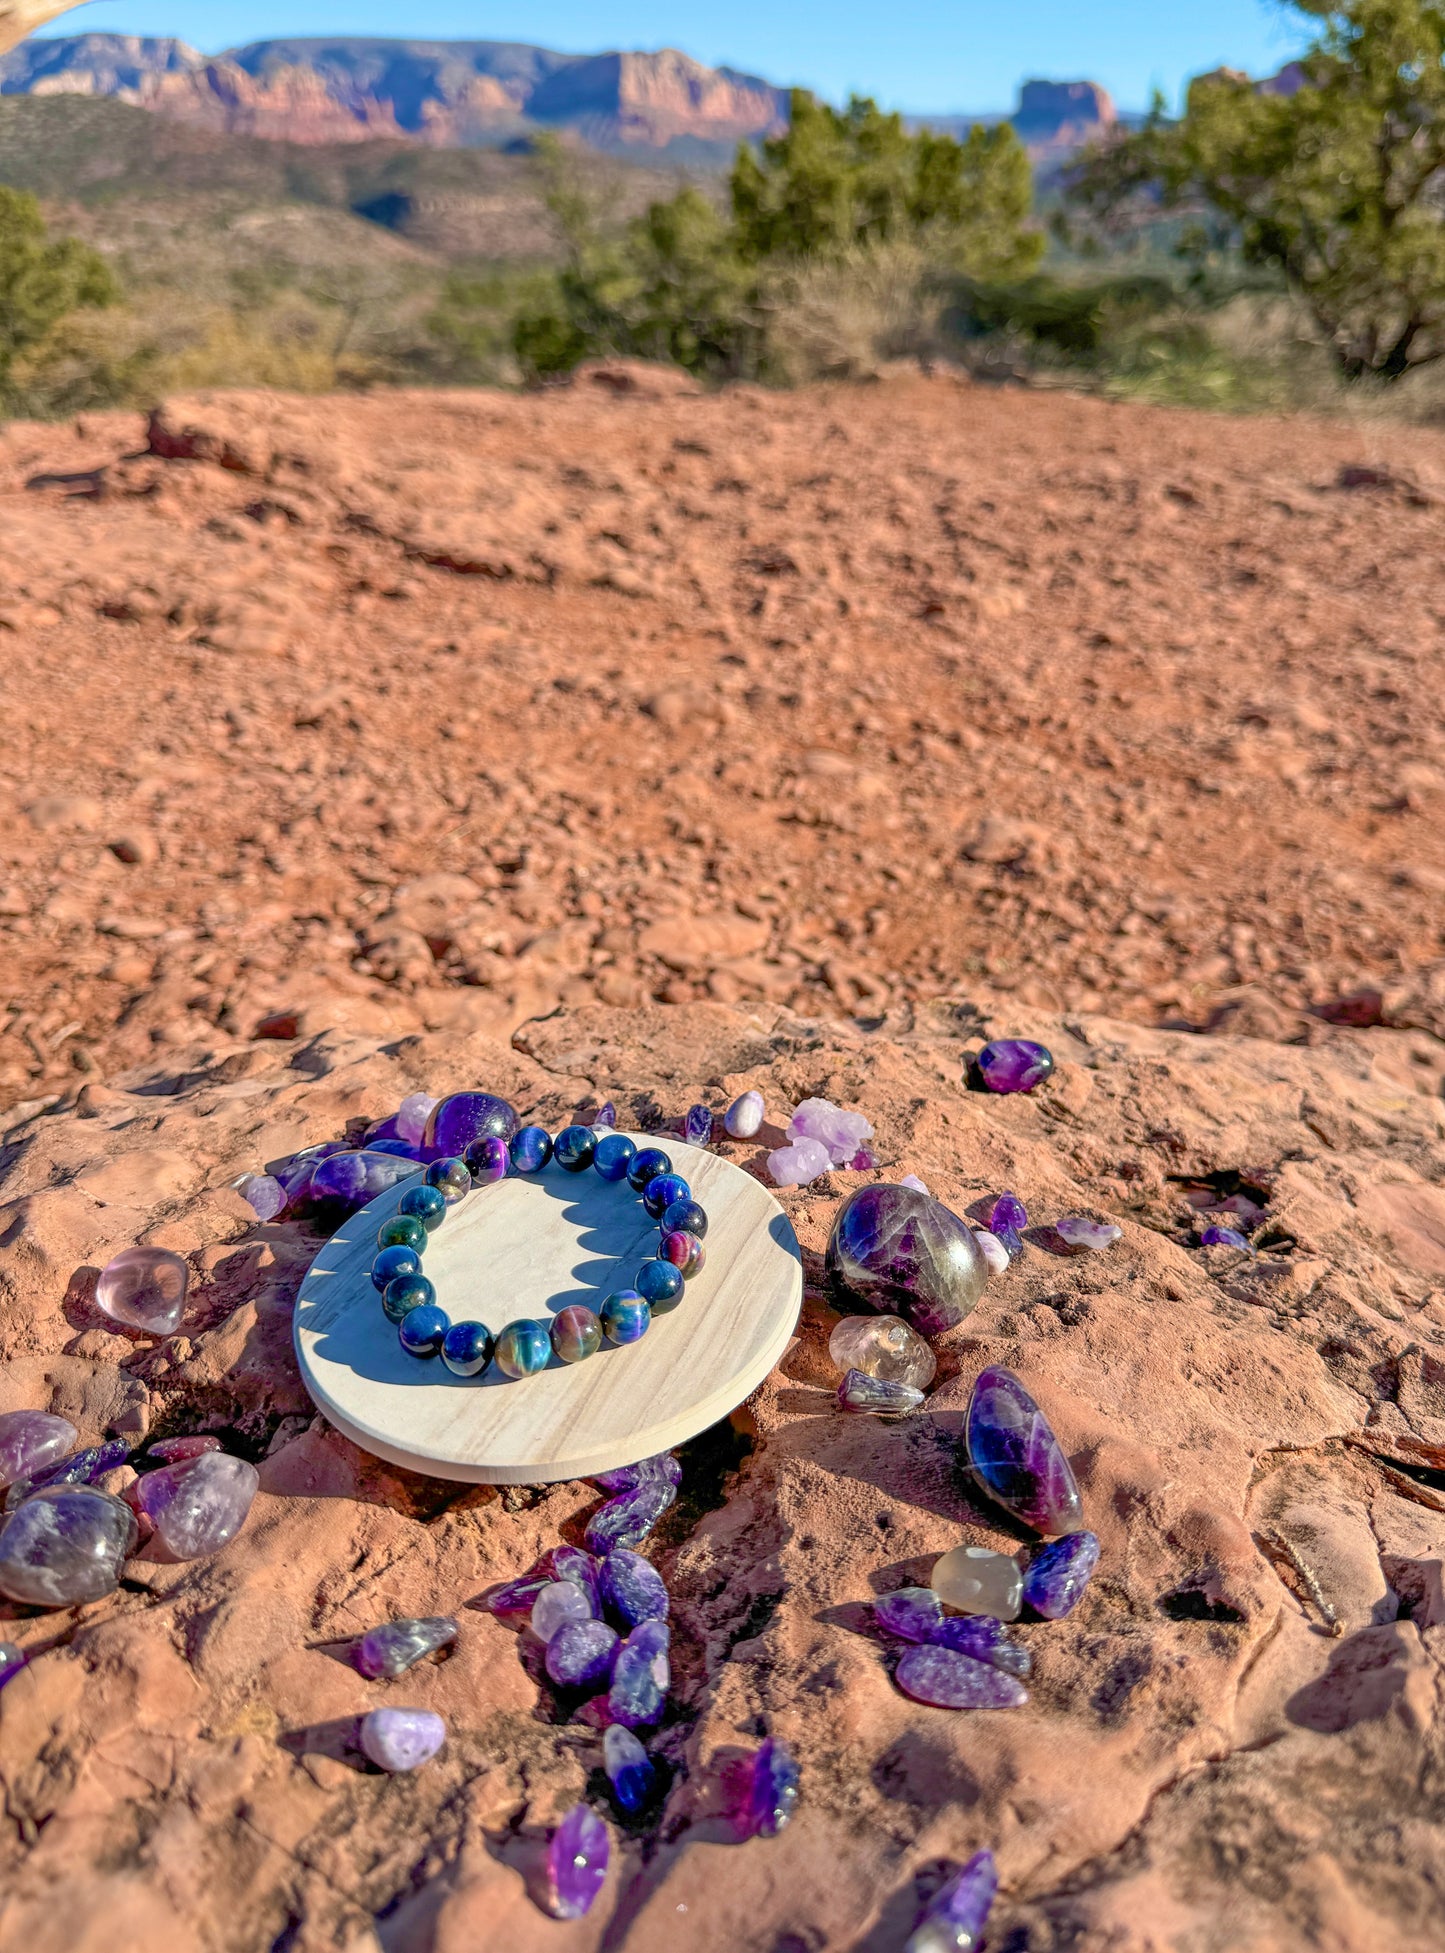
(65, 1544)
(1015, 1456)
(411, 1117)
(878, 1396)
(954, 1918)
(1226, 1237)
(515, 1599)
(343, 1182)
(198, 1505)
(557, 1606)
(174, 1451)
(1081, 1232)
(663, 1464)
(31, 1442)
(948, 1680)
(605, 1119)
(264, 1193)
(769, 1791)
(641, 1676)
(843, 1133)
(401, 1739)
(632, 1589)
(697, 1126)
(1058, 1573)
(902, 1253)
(577, 1858)
(1014, 1064)
(396, 1646)
(799, 1163)
(985, 1639)
(744, 1116)
(581, 1654)
(912, 1613)
(912, 1180)
(144, 1288)
(994, 1251)
(628, 1519)
(81, 1468)
(630, 1770)
(572, 1563)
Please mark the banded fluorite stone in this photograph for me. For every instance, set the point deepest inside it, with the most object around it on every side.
(581, 1654)
(1058, 1574)
(66, 1543)
(1015, 1456)
(455, 1121)
(395, 1646)
(1014, 1064)
(770, 1790)
(401, 1739)
(631, 1516)
(641, 1676)
(902, 1253)
(577, 1860)
(954, 1918)
(949, 1680)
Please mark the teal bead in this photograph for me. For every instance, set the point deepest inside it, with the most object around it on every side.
(426, 1204)
(523, 1348)
(626, 1317)
(402, 1231)
(406, 1293)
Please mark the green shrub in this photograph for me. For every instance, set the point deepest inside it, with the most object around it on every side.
(42, 279)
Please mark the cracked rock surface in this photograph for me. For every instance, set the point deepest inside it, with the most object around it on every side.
(1234, 1744)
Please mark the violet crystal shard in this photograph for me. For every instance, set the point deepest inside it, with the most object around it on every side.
(1015, 1456)
(1007, 1220)
(1014, 1065)
(31, 1442)
(629, 1518)
(144, 1288)
(577, 1862)
(65, 1544)
(877, 1395)
(1081, 1232)
(662, 1464)
(455, 1121)
(902, 1253)
(401, 1739)
(632, 1589)
(641, 1677)
(393, 1647)
(948, 1680)
(770, 1791)
(82, 1468)
(1058, 1574)
(954, 1918)
(12, 1660)
(174, 1451)
(514, 1599)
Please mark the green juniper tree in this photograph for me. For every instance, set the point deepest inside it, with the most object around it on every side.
(42, 279)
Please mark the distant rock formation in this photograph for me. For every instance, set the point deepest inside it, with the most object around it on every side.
(1056, 117)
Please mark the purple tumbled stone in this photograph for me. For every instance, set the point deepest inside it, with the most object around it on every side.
(456, 1121)
(144, 1288)
(912, 1613)
(881, 1396)
(559, 1604)
(949, 1680)
(264, 1193)
(954, 1918)
(641, 1676)
(632, 1589)
(995, 1250)
(81, 1468)
(65, 1544)
(393, 1647)
(12, 1660)
(770, 1790)
(577, 1862)
(744, 1116)
(1008, 1212)
(31, 1442)
(661, 1465)
(1225, 1237)
(571, 1563)
(903, 1253)
(411, 1116)
(629, 1518)
(606, 1115)
(346, 1181)
(581, 1655)
(697, 1126)
(174, 1451)
(199, 1504)
(401, 1739)
(983, 1638)
(1056, 1576)
(1081, 1232)
(515, 1599)
(1015, 1456)
(1014, 1065)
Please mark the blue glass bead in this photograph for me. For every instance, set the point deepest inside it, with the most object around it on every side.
(574, 1148)
(531, 1149)
(402, 1231)
(684, 1217)
(488, 1159)
(523, 1348)
(425, 1204)
(626, 1318)
(614, 1156)
(661, 1191)
(406, 1293)
(452, 1178)
(423, 1330)
(646, 1166)
(660, 1285)
(467, 1348)
(392, 1263)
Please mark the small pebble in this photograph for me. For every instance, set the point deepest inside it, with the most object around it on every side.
(912, 1180)
(401, 1739)
(632, 1589)
(1014, 1065)
(395, 1646)
(1080, 1232)
(144, 1288)
(976, 1580)
(744, 1116)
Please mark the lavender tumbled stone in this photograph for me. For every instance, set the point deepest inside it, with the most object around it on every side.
(144, 1288)
(395, 1646)
(1014, 1065)
(264, 1193)
(581, 1655)
(985, 1639)
(744, 1116)
(31, 1442)
(197, 1506)
(65, 1544)
(902, 1253)
(629, 1518)
(1081, 1232)
(571, 1563)
(1056, 1576)
(994, 1250)
(641, 1676)
(456, 1121)
(954, 1918)
(912, 1613)
(949, 1680)
(1015, 1456)
(401, 1739)
(557, 1606)
(878, 1395)
(577, 1862)
(344, 1182)
(632, 1589)
(770, 1791)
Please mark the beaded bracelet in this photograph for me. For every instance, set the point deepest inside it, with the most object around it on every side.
(526, 1346)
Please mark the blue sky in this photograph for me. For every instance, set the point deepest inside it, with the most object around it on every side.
(923, 54)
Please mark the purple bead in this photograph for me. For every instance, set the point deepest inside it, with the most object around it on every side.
(1015, 1456)
(31, 1442)
(879, 1395)
(462, 1117)
(697, 1126)
(954, 1918)
(983, 1638)
(770, 1791)
(81, 1468)
(627, 1520)
(571, 1563)
(640, 1679)
(581, 1655)
(1225, 1237)
(393, 1647)
(1008, 1214)
(489, 1159)
(174, 1451)
(515, 1599)
(1057, 1575)
(903, 1253)
(661, 1465)
(632, 1589)
(912, 1613)
(64, 1545)
(12, 1660)
(1014, 1065)
(577, 1862)
(401, 1739)
(949, 1680)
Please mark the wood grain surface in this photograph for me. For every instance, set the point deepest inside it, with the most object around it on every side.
(528, 1247)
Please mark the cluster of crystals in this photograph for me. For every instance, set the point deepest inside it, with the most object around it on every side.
(1014, 1065)
(954, 1918)
(499, 1147)
(820, 1135)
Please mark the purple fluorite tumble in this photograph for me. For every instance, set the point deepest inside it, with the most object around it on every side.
(199, 1504)
(401, 1739)
(31, 1442)
(640, 1679)
(81, 1468)
(66, 1544)
(1014, 1065)
(662, 1464)
(581, 1656)
(461, 1118)
(903, 1253)
(629, 1518)
(577, 1862)
(949, 1680)
(1058, 1573)
(632, 1589)
(1015, 1456)
(393, 1647)
(144, 1288)
(770, 1790)
(954, 1918)
(697, 1126)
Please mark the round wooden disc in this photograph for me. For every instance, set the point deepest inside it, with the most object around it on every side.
(528, 1247)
